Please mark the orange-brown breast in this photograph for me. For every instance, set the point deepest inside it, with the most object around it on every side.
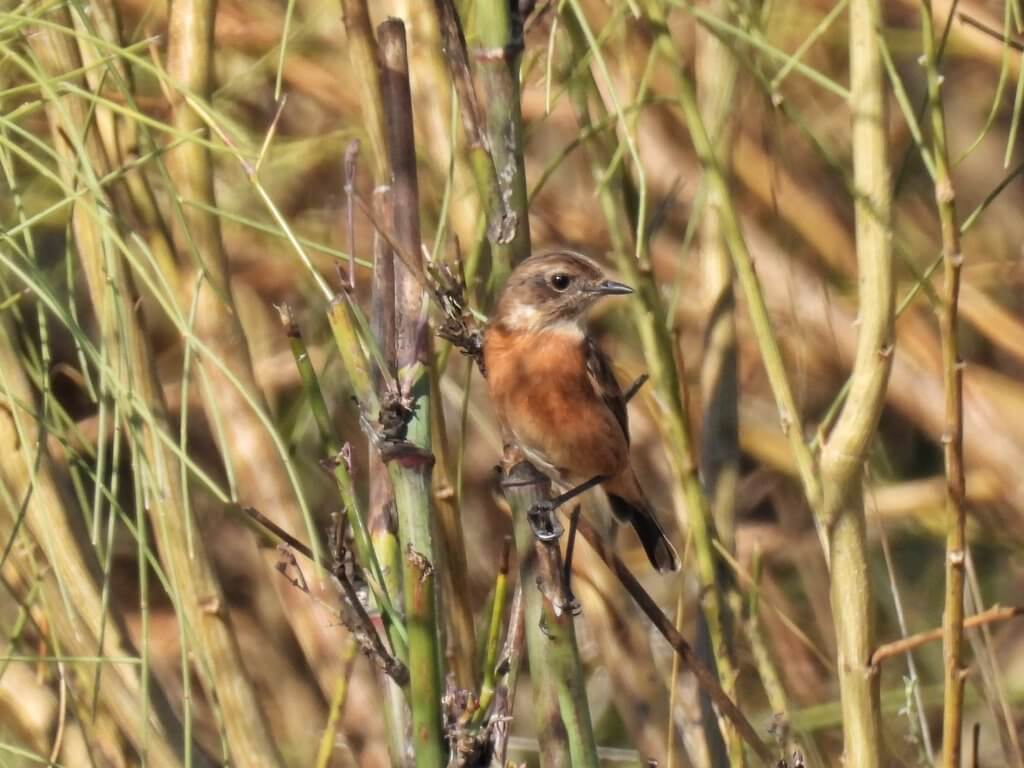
(540, 389)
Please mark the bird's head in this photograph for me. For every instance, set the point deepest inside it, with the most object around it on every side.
(552, 291)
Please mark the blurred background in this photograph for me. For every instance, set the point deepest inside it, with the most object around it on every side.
(108, 401)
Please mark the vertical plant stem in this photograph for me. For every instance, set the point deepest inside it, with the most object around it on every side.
(196, 589)
(719, 456)
(29, 485)
(953, 431)
(337, 709)
(339, 463)
(616, 195)
(789, 415)
(499, 32)
(511, 659)
(719, 449)
(364, 60)
(836, 496)
(381, 519)
(845, 449)
(560, 706)
(410, 469)
(494, 630)
(501, 222)
(244, 440)
(362, 50)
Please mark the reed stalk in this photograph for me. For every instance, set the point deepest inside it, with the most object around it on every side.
(717, 70)
(560, 706)
(381, 520)
(196, 589)
(846, 447)
(410, 469)
(953, 430)
(499, 33)
(719, 452)
(235, 400)
(364, 72)
(364, 63)
(619, 203)
(80, 622)
(790, 420)
(502, 222)
(835, 496)
(493, 637)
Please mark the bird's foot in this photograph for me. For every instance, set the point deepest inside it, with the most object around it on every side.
(543, 521)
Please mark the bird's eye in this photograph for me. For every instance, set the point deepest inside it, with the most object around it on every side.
(560, 281)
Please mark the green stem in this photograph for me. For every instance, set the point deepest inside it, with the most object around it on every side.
(953, 433)
(494, 632)
(499, 31)
(845, 449)
(365, 554)
(659, 352)
(560, 707)
(410, 467)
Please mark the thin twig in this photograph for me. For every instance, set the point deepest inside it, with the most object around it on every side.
(706, 679)
(909, 643)
(508, 664)
(409, 261)
(351, 158)
(360, 625)
(391, 666)
(986, 29)
(285, 537)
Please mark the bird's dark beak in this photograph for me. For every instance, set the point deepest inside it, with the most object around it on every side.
(611, 288)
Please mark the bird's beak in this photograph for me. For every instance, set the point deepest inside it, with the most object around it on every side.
(611, 288)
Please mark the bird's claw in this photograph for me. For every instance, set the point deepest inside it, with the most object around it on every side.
(543, 522)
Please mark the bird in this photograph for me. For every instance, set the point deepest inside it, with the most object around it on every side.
(555, 393)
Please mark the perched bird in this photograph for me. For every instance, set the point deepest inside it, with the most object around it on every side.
(554, 390)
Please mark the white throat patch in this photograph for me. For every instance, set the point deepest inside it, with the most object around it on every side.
(527, 318)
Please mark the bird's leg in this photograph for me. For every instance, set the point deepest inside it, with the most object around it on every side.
(541, 515)
(571, 602)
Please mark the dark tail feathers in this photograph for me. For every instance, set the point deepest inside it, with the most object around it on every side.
(659, 549)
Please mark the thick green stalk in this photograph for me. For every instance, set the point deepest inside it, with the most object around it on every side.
(499, 31)
(411, 464)
(343, 476)
(560, 706)
(953, 433)
(380, 519)
(501, 222)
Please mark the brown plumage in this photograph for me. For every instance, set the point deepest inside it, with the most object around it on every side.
(554, 390)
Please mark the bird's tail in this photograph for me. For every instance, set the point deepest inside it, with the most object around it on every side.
(652, 536)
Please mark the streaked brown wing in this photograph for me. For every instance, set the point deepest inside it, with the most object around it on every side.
(602, 378)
